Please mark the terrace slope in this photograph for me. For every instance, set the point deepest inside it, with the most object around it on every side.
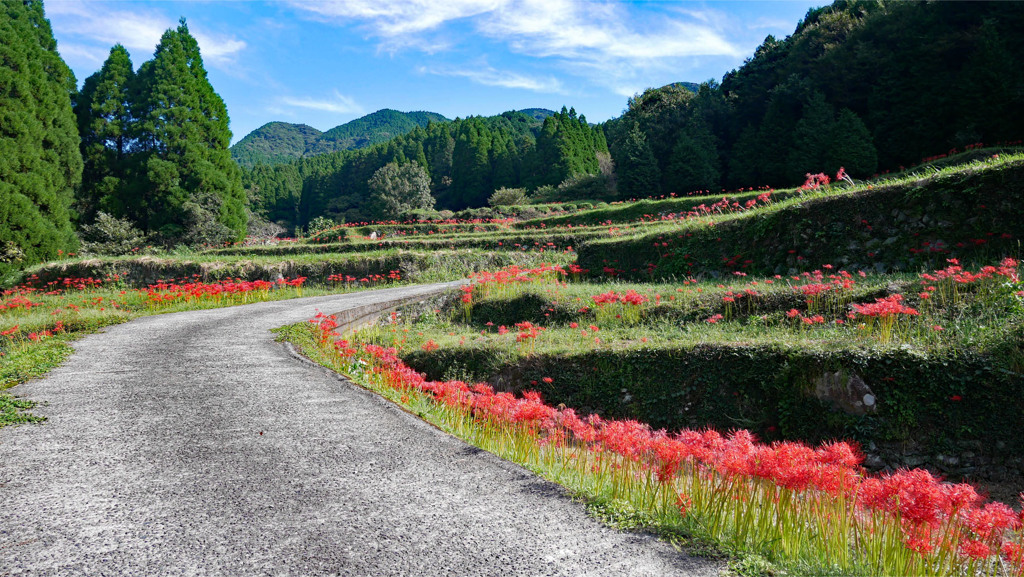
(971, 213)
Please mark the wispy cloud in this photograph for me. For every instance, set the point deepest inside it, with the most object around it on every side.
(97, 26)
(397, 17)
(489, 76)
(606, 42)
(339, 104)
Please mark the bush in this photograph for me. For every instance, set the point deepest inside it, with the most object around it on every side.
(319, 224)
(507, 197)
(584, 187)
(111, 236)
(546, 193)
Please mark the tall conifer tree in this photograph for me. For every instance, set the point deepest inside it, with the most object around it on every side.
(191, 187)
(638, 170)
(40, 164)
(106, 125)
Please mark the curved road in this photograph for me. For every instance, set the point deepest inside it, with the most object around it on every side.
(193, 444)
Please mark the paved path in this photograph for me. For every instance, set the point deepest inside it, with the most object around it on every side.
(153, 463)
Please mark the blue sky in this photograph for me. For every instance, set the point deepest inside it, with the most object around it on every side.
(323, 63)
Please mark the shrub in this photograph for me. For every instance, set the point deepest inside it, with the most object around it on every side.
(507, 197)
(111, 236)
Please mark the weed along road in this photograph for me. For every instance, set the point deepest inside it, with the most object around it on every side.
(193, 444)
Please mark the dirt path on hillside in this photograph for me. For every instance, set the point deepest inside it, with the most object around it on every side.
(193, 444)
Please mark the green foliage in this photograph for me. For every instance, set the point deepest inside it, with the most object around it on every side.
(694, 162)
(637, 168)
(111, 236)
(40, 164)
(910, 110)
(850, 146)
(507, 197)
(466, 160)
(582, 187)
(319, 225)
(107, 127)
(156, 146)
(371, 129)
(192, 187)
(276, 143)
(395, 189)
(812, 139)
(14, 411)
(775, 117)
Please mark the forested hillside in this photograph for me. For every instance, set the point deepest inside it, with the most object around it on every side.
(149, 157)
(279, 142)
(851, 87)
(465, 160)
(274, 143)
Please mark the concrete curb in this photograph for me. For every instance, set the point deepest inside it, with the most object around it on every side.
(356, 317)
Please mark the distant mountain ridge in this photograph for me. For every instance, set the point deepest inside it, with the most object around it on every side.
(280, 142)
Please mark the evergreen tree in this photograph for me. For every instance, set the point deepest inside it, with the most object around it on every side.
(850, 146)
(542, 166)
(694, 161)
(745, 159)
(40, 164)
(471, 166)
(637, 169)
(811, 138)
(190, 186)
(987, 79)
(105, 123)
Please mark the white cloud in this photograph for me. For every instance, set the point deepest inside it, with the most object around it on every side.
(340, 104)
(601, 40)
(218, 49)
(70, 51)
(489, 76)
(97, 26)
(396, 17)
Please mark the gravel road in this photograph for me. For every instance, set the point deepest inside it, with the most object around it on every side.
(193, 444)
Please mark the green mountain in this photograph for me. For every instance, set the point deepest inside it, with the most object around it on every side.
(691, 86)
(371, 129)
(274, 143)
(279, 142)
(538, 114)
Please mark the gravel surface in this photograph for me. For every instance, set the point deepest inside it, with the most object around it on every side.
(193, 444)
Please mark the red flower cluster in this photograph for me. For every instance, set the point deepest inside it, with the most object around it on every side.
(815, 181)
(630, 297)
(394, 275)
(169, 292)
(1007, 268)
(527, 331)
(885, 307)
(930, 514)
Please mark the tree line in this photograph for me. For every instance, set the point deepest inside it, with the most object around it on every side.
(149, 148)
(850, 87)
(155, 146)
(867, 85)
(463, 162)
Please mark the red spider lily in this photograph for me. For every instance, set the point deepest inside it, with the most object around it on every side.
(815, 181)
(885, 307)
